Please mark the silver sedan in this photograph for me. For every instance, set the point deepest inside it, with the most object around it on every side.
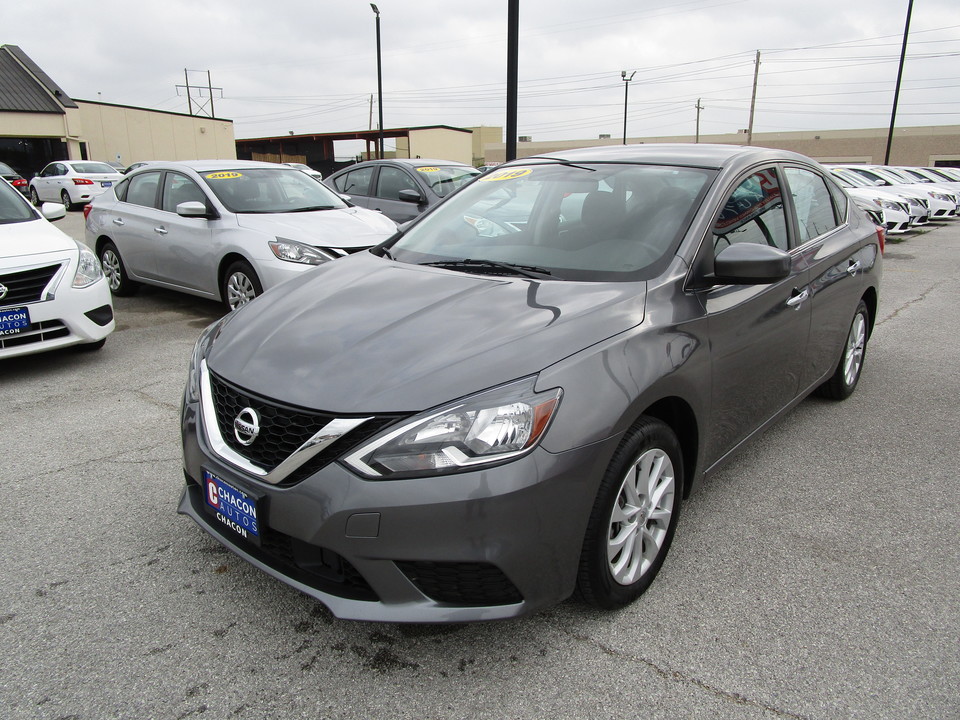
(223, 229)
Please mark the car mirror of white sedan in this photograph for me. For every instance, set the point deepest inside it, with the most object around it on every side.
(53, 211)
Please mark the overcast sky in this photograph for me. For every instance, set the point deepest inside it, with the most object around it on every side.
(310, 65)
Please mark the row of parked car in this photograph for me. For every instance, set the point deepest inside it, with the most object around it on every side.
(902, 198)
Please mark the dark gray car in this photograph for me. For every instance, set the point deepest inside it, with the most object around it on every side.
(512, 399)
(401, 189)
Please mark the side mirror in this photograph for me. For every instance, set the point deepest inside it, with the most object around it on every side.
(410, 196)
(751, 264)
(193, 208)
(53, 211)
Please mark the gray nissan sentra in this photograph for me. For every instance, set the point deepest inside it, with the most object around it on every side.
(509, 400)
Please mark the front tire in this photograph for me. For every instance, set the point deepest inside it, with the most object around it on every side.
(240, 285)
(116, 273)
(847, 374)
(634, 516)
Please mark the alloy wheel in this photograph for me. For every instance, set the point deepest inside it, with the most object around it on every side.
(240, 290)
(641, 516)
(853, 355)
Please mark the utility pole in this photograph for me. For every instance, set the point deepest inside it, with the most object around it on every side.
(376, 12)
(699, 108)
(896, 93)
(201, 107)
(513, 48)
(626, 88)
(753, 99)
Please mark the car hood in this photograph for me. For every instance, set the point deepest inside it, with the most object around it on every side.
(368, 335)
(34, 237)
(349, 227)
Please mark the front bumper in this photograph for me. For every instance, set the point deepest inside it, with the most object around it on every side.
(494, 543)
(75, 316)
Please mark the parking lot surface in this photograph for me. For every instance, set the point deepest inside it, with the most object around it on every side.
(815, 576)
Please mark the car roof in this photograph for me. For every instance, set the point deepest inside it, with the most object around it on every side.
(410, 162)
(207, 165)
(703, 155)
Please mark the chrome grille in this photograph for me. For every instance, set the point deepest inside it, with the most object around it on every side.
(26, 286)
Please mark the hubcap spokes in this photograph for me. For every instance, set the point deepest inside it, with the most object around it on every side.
(641, 516)
(240, 290)
(853, 357)
(111, 268)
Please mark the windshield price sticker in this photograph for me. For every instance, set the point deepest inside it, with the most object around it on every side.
(14, 321)
(428, 169)
(223, 175)
(232, 507)
(511, 174)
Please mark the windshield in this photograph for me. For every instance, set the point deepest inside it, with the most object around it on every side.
(92, 167)
(574, 222)
(444, 179)
(270, 190)
(13, 206)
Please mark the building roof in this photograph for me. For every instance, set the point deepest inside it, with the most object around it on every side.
(24, 87)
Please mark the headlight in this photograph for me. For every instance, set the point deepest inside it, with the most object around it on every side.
(293, 251)
(200, 349)
(490, 427)
(941, 196)
(888, 205)
(88, 269)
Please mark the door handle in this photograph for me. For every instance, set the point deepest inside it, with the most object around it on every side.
(854, 267)
(118, 221)
(160, 230)
(798, 298)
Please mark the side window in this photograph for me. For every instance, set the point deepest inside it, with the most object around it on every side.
(120, 189)
(840, 200)
(753, 213)
(178, 189)
(143, 189)
(812, 201)
(391, 181)
(357, 182)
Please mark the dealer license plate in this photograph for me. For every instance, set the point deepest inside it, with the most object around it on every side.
(14, 320)
(232, 507)
(106, 183)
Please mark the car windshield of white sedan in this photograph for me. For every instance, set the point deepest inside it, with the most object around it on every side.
(444, 179)
(13, 207)
(269, 190)
(591, 222)
(93, 167)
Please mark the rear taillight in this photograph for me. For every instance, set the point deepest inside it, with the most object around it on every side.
(19, 183)
(882, 238)
(86, 210)
(82, 181)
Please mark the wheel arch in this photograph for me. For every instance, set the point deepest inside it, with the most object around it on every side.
(872, 301)
(677, 414)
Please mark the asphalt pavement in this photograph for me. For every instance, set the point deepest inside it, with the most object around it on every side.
(816, 576)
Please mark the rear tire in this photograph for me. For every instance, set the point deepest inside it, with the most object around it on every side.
(240, 285)
(65, 199)
(34, 197)
(634, 516)
(120, 284)
(847, 374)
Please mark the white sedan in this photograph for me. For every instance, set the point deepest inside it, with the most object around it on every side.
(52, 290)
(72, 182)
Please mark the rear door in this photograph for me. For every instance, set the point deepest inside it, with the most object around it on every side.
(356, 184)
(831, 245)
(133, 221)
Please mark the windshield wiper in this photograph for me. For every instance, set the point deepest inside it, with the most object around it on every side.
(311, 208)
(529, 271)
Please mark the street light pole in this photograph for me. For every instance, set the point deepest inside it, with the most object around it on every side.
(379, 83)
(626, 90)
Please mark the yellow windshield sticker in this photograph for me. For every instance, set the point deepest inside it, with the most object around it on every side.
(511, 174)
(223, 175)
(428, 169)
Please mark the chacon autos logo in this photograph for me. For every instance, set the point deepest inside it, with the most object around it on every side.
(3, 291)
(246, 426)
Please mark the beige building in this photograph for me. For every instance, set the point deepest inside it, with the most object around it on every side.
(918, 146)
(40, 123)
